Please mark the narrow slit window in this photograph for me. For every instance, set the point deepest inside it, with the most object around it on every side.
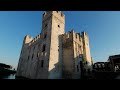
(42, 63)
(43, 49)
(32, 56)
(77, 68)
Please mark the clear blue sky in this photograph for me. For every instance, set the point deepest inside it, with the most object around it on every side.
(103, 28)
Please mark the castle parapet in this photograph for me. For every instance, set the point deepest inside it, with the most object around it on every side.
(57, 14)
(27, 39)
(34, 40)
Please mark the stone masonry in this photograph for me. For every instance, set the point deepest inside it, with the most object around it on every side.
(54, 54)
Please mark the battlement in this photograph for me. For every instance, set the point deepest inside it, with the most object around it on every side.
(67, 35)
(84, 34)
(73, 35)
(34, 40)
(53, 12)
(76, 36)
(27, 39)
(58, 14)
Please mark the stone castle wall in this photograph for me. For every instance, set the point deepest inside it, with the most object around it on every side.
(53, 54)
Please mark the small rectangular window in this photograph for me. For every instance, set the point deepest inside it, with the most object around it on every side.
(32, 56)
(38, 54)
(43, 49)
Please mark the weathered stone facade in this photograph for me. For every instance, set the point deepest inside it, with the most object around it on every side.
(53, 54)
(75, 50)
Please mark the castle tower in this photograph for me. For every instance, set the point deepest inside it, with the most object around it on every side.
(54, 54)
(86, 51)
(72, 55)
(53, 23)
(41, 57)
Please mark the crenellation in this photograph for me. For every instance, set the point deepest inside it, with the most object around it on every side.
(62, 14)
(35, 40)
(77, 37)
(84, 34)
(38, 36)
(44, 14)
(78, 34)
(59, 16)
(59, 12)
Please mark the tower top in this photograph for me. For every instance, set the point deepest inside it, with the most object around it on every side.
(57, 14)
(84, 33)
(53, 12)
